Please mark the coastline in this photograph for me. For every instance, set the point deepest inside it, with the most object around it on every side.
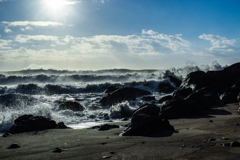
(189, 141)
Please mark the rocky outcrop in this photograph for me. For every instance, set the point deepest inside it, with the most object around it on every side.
(27, 123)
(148, 98)
(123, 94)
(166, 87)
(74, 106)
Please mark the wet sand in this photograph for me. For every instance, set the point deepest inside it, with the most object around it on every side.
(189, 141)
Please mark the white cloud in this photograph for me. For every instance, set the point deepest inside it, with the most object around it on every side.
(27, 38)
(7, 30)
(149, 32)
(220, 45)
(4, 43)
(26, 28)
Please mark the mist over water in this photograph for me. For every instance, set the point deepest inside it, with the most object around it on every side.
(40, 92)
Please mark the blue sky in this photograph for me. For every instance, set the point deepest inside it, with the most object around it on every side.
(135, 34)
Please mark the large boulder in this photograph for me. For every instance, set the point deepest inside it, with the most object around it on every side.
(179, 108)
(123, 94)
(145, 121)
(176, 81)
(165, 87)
(71, 105)
(27, 123)
(164, 99)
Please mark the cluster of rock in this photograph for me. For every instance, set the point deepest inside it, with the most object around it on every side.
(28, 123)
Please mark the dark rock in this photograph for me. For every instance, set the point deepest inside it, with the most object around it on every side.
(107, 127)
(111, 89)
(57, 150)
(61, 125)
(166, 87)
(178, 108)
(176, 81)
(14, 146)
(149, 98)
(204, 97)
(27, 123)
(235, 144)
(147, 109)
(6, 134)
(74, 106)
(124, 119)
(182, 93)
(146, 121)
(145, 125)
(211, 139)
(164, 99)
(229, 97)
(123, 94)
(196, 80)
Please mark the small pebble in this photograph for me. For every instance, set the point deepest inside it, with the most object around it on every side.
(235, 144)
(57, 150)
(143, 142)
(103, 143)
(113, 152)
(211, 139)
(210, 120)
(237, 124)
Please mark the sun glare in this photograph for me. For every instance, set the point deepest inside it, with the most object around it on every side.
(55, 4)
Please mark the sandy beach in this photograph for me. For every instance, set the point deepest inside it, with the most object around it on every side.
(191, 140)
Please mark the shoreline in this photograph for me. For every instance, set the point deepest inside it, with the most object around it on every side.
(189, 141)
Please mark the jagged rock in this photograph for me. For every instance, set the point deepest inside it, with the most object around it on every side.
(27, 123)
(74, 106)
(123, 94)
(149, 98)
(166, 87)
(147, 109)
(107, 127)
(235, 144)
(179, 108)
(164, 99)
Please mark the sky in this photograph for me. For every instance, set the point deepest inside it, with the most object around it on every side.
(105, 34)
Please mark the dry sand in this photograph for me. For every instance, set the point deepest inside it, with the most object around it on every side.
(190, 141)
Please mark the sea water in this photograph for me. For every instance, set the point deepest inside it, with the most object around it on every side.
(40, 92)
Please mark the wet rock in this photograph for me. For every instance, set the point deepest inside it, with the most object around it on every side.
(196, 80)
(14, 146)
(6, 134)
(149, 98)
(166, 87)
(211, 139)
(164, 99)
(121, 111)
(146, 121)
(74, 106)
(123, 94)
(176, 81)
(182, 93)
(27, 123)
(61, 125)
(107, 127)
(229, 97)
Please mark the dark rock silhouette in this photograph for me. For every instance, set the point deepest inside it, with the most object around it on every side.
(123, 94)
(74, 106)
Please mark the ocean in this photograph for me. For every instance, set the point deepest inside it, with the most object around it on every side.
(40, 92)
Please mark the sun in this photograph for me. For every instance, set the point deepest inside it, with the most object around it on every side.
(55, 4)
